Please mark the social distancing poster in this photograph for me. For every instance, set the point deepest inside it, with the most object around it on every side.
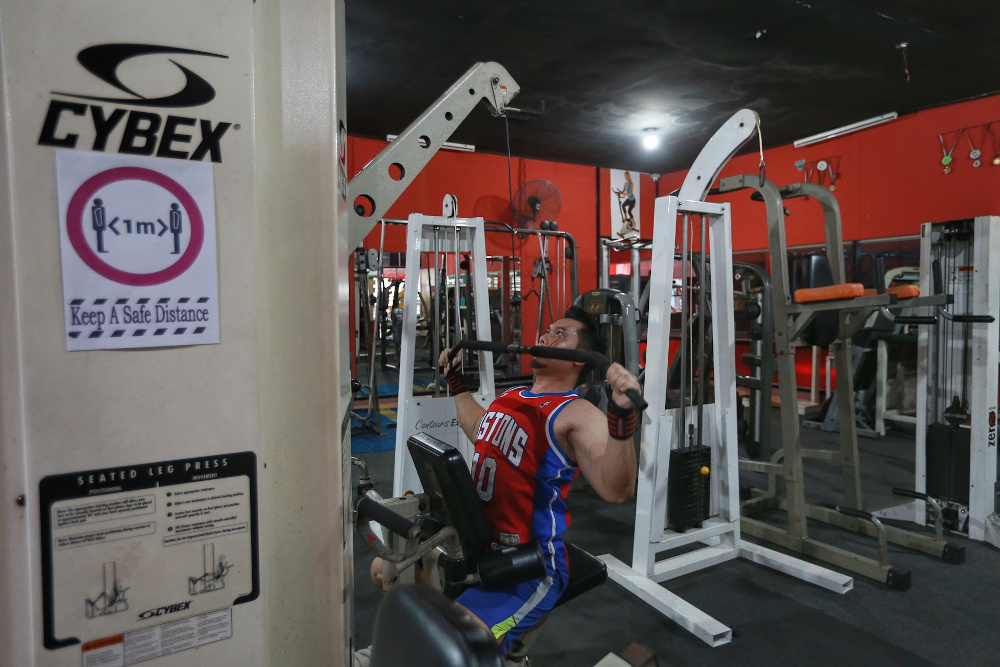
(139, 262)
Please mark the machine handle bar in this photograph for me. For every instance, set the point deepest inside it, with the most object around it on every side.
(585, 356)
(370, 509)
(910, 494)
(975, 319)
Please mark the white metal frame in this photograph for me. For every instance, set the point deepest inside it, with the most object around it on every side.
(436, 415)
(664, 429)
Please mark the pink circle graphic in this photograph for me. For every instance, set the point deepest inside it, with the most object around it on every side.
(82, 197)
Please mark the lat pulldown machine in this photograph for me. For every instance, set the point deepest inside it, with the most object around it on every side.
(792, 315)
(956, 433)
(444, 241)
(688, 492)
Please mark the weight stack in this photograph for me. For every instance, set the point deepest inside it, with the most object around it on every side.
(948, 462)
(688, 490)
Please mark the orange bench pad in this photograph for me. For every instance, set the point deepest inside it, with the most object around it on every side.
(845, 291)
(900, 291)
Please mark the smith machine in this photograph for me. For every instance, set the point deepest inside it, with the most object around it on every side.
(792, 315)
(688, 491)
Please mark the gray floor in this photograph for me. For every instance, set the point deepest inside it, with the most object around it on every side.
(950, 615)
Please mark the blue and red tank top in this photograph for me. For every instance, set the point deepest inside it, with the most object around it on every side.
(521, 473)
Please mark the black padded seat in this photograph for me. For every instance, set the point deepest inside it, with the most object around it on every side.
(417, 626)
(586, 571)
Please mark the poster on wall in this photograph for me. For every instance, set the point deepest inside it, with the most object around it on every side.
(624, 204)
(139, 262)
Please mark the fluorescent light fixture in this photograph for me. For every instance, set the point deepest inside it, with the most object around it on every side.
(450, 145)
(847, 129)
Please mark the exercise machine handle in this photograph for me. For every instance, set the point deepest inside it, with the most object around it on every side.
(370, 509)
(915, 319)
(974, 319)
(909, 494)
(585, 356)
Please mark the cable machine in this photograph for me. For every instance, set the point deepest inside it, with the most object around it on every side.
(956, 436)
(687, 499)
(441, 244)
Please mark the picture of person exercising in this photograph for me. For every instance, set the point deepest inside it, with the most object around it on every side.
(626, 206)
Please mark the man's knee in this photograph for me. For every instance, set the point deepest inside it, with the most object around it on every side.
(375, 571)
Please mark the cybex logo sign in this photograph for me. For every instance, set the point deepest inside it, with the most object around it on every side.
(169, 609)
(143, 132)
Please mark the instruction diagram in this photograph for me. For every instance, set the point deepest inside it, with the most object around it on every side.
(214, 577)
(112, 599)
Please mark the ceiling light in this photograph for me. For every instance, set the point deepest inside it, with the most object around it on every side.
(649, 139)
(847, 129)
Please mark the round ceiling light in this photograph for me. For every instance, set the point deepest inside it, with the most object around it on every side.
(650, 140)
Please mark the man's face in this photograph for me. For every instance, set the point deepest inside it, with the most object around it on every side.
(561, 333)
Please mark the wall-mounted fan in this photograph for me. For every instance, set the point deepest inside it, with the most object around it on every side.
(536, 202)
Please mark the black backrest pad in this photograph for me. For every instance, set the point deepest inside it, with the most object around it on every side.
(445, 476)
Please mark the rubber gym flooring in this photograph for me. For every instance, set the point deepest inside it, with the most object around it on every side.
(950, 615)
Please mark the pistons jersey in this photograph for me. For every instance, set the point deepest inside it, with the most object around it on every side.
(521, 473)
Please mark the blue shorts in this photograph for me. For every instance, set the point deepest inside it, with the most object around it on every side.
(513, 610)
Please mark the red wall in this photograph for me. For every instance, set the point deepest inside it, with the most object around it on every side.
(480, 183)
(891, 178)
(890, 182)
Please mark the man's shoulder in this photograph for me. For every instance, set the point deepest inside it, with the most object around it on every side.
(580, 409)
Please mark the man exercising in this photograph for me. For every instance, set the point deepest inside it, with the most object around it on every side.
(530, 444)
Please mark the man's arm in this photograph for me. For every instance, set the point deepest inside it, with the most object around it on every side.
(608, 462)
(470, 412)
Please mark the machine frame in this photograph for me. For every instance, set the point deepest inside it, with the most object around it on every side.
(665, 429)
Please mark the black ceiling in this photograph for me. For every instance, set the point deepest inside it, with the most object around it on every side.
(607, 70)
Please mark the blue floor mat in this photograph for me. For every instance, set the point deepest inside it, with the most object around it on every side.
(370, 441)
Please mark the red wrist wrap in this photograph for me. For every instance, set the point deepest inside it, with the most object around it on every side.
(456, 383)
(621, 422)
